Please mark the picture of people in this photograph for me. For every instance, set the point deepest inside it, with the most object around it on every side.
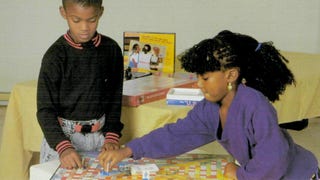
(146, 57)
(134, 56)
(156, 59)
(149, 52)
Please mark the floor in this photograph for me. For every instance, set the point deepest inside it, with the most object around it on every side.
(308, 138)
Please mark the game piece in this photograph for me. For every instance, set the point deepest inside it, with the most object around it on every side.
(104, 173)
(146, 170)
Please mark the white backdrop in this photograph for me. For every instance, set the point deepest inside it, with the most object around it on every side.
(28, 28)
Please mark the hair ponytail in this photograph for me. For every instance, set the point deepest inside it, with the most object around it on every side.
(267, 71)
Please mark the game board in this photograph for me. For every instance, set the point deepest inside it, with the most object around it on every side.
(186, 166)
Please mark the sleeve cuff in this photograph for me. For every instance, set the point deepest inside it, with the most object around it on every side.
(63, 146)
(111, 138)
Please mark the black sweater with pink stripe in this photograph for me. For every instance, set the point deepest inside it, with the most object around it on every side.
(80, 82)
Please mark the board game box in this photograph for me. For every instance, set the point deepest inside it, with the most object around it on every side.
(186, 166)
(155, 87)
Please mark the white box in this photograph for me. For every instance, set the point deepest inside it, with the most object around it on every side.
(44, 170)
(146, 170)
(184, 96)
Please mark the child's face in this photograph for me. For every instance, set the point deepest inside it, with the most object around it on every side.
(213, 85)
(82, 21)
(137, 49)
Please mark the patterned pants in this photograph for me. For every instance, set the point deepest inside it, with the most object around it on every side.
(82, 142)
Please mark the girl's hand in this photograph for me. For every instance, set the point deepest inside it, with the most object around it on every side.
(230, 171)
(110, 158)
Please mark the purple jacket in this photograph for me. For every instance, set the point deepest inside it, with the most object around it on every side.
(251, 135)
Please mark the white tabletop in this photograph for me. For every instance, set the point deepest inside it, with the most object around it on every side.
(44, 170)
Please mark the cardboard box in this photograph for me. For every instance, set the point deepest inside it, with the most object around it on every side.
(147, 171)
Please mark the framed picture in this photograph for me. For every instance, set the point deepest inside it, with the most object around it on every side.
(149, 52)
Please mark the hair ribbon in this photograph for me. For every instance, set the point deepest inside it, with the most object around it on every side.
(258, 47)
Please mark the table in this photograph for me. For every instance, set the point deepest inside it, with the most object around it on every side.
(22, 135)
(301, 101)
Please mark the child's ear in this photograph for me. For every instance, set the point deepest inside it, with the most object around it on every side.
(101, 11)
(62, 12)
(233, 74)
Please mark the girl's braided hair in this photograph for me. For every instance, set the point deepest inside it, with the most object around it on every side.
(84, 3)
(260, 64)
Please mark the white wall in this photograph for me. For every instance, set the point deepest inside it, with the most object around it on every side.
(29, 28)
